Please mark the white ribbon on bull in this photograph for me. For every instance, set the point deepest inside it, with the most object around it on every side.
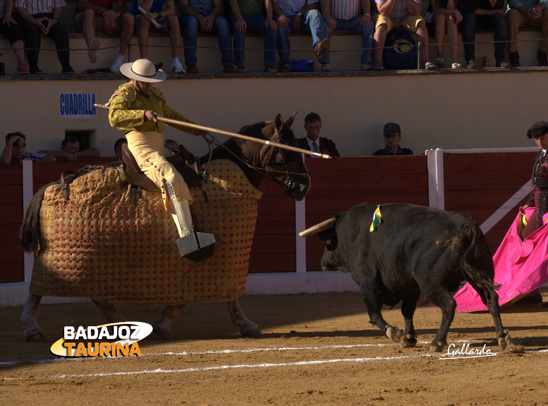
(231, 134)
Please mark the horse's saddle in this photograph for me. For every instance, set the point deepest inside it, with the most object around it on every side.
(184, 162)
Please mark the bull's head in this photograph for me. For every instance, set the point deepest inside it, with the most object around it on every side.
(326, 231)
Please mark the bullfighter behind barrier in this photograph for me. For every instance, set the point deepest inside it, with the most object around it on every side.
(134, 109)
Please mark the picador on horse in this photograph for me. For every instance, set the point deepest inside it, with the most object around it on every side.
(107, 233)
(134, 109)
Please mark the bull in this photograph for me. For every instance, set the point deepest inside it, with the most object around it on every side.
(398, 252)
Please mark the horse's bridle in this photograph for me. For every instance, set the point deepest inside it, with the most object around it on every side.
(287, 183)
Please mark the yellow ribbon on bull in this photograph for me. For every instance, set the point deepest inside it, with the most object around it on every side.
(377, 219)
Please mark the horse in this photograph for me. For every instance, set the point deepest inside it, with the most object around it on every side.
(70, 262)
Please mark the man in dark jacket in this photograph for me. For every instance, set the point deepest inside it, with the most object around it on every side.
(313, 142)
(392, 138)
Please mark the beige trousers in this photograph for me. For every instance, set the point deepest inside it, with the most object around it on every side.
(516, 19)
(150, 154)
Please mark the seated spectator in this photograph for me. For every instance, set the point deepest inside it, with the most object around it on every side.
(14, 151)
(10, 30)
(254, 16)
(392, 139)
(527, 13)
(485, 14)
(118, 147)
(394, 14)
(171, 145)
(301, 16)
(445, 15)
(37, 17)
(313, 142)
(108, 16)
(157, 17)
(70, 150)
(205, 16)
(354, 16)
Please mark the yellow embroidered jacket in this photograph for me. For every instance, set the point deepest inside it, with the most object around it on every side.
(127, 109)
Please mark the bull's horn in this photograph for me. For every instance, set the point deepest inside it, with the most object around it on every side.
(324, 225)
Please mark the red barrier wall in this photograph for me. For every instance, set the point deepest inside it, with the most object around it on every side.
(477, 183)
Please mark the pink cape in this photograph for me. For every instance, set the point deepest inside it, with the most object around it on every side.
(520, 266)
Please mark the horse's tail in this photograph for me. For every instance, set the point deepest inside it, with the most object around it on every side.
(29, 235)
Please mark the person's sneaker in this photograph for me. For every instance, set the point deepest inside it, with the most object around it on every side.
(325, 67)
(192, 69)
(322, 48)
(503, 64)
(67, 69)
(176, 66)
(92, 49)
(285, 69)
(542, 58)
(115, 67)
(367, 66)
(514, 59)
(230, 69)
(35, 70)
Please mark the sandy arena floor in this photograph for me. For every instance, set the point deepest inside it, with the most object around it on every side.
(317, 350)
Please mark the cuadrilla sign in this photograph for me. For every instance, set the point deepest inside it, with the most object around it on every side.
(77, 105)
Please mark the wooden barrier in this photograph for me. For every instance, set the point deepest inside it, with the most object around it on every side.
(478, 183)
(11, 212)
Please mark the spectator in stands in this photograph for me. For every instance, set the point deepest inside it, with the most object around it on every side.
(171, 145)
(207, 16)
(14, 151)
(70, 150)
(108, 16)
(392, 138)
(37, 17)
(486, 14)
(162, 18)
(254, 16)
(313, 142)
(301, 16)
(527, 13)
(355, 16)
(397, 13)
(118, 147)
(11, 31)
(445, 16)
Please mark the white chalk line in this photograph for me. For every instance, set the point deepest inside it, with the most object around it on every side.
(248, 350)
(239, 351)
(227, 367)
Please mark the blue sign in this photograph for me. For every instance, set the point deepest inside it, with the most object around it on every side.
(77, 105)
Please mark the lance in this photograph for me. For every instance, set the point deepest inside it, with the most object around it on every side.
(231, 134)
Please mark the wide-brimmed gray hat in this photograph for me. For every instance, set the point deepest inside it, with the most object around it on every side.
(143, 70)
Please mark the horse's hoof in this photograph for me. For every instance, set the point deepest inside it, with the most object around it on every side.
(34, 336)
(394, 333)
(162, 332)
(437, 347)
(253, 332)
(409, 341)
